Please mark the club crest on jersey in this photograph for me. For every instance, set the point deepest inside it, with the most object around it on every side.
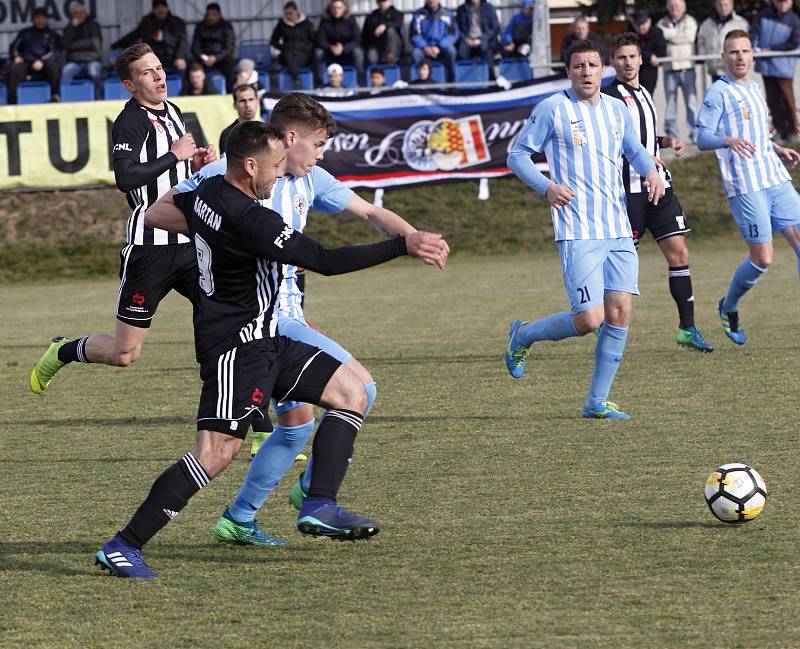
(631, 101)
(157, 125)
(745, 109)
(300, 204)
(615, 133)
(578, 136)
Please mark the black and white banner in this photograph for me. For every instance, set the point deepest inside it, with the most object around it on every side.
(402, 137)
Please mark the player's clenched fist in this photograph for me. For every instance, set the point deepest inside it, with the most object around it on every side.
(184, 147)
(559, 195)
(429, 247)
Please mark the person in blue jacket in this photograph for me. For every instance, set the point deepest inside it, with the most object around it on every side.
(35, 50)
(517, 35)
(778, 29)
(480, 29)
(434, 33)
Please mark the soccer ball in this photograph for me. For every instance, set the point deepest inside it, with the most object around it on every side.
(735, 493)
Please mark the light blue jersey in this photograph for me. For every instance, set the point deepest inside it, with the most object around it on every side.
(291, 198)
(584, 145)
(733, 109)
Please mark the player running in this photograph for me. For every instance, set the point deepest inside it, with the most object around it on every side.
(241, 249)
(306, 126)
(584, 135)
(665, 220)
(734, 121)
(152, 152)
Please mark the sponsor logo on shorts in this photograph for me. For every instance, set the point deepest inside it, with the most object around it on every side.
(257, 397)
(138, 298)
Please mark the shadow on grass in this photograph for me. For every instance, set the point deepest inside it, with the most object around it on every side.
(32, 556)
(107, 422)
(673, 525)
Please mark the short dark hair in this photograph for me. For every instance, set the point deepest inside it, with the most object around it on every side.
(735, 33)
(194, 66)
(580, 47)
(213, 6)
(378, 71)
(290, 5)
(249, 139)
(122, 66)
(626, 38)
(241, 88)
(302, 109)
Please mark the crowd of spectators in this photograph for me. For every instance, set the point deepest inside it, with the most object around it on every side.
(435, 34)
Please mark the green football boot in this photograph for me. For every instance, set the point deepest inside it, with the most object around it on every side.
(256, 441)
(47, 366)
(231, 531)
(297, 495)
(693, 339)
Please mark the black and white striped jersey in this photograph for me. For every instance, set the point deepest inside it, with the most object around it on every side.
(643, 113)
(142, 135)
(241, 249)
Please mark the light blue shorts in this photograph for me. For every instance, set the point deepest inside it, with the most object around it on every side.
(759, 214)
(592, 267)
(301, 331)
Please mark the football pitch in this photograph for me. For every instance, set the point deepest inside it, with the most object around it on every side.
(507, 521)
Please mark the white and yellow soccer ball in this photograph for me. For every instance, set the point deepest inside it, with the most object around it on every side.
(735, 493)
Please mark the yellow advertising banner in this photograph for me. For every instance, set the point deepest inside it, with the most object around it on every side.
(68, 145)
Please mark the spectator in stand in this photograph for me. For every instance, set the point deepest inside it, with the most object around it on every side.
(382, 36)
(334, 88)
(82, 43)
(653, 47)
(517, 36)
(35, 50)
(434, 33)
(711, 35)
(214, 44)
(339, 38)
(245, 101)
(196, 82)
(778, 29)
(423, 73)
(480, 29)
(164, 33)
(294, 38)
(680, 31)
(579, 31)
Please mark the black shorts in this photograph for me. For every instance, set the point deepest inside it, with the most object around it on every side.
(240, 383)
(663, 220)
(147, 274)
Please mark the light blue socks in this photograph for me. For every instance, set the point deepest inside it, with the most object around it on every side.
(554, 327)
(744, 279)
(607, 356)
(274, 458)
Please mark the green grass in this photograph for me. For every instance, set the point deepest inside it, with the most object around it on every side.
(78, 234)
(507, 520)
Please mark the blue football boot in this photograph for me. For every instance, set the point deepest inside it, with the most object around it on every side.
(730, 324)
(121, 559)
(325, 518)
(516, 354)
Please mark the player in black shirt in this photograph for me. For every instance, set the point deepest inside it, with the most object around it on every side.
(666, 221)
(241, 248)
(151, 152)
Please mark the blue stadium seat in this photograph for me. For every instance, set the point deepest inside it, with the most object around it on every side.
(219, 82)
(390, 72)
(258, 51)
(472, 70)
(33, 92)
(349, 77)
(174, 83)
(437, 72)
(286, 84)
(3, 94)
(113, 89)
(263, 77)
(78, 90)
(515, 69)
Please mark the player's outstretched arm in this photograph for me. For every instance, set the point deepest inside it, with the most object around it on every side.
(165, 214)
(389, 223)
